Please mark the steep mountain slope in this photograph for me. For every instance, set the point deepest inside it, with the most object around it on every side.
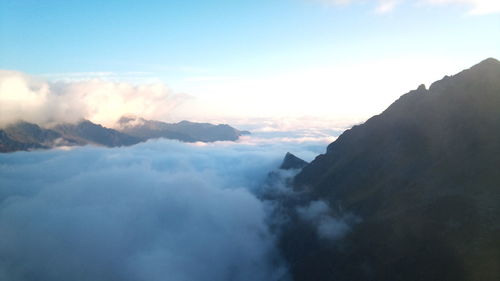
(183, 131)
(423, 176)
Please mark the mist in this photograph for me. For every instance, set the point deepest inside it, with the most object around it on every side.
(160, 210)
(328, 226)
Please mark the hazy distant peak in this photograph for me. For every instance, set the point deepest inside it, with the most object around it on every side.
(22, 123)
(128, 121)
(86, 122)
(126, 118)
(130, 130)
(73, 123)
(184, 130)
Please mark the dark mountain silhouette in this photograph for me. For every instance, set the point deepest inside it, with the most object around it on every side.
(276, 186)
(184, 131)
(292, 162)
(424, 178)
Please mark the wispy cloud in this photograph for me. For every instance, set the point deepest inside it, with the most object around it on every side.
(327, 225)
(210, 78)
(386, 6)
(474, 7)
(381, 6)
(129, 76)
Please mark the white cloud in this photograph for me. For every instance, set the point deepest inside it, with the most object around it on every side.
(475, 7)
(155, 211)
(314, 210)
(20, 95)
(382, 6)
(386, 6)
(23, 97)
(129, 76)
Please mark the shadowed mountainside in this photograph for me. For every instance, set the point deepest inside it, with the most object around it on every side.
(423, 176)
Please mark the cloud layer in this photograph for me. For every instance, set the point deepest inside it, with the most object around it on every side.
(161, 210)
(27, 98)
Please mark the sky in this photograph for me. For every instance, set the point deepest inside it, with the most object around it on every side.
(238, 61)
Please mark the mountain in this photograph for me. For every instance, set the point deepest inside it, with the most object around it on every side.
(27, 136)
(86, 132)
(292, 162)
(184, 131)
(8, 144)
(423, 177)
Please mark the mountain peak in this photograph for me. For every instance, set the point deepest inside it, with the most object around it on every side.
(490, 61)
(292, 162)
(487, 65)
(421, 88)
(129, 120)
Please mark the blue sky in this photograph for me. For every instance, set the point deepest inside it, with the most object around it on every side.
(207, 49)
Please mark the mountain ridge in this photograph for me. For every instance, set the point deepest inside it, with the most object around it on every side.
(184, 130)
(422, 175)
(26, 136)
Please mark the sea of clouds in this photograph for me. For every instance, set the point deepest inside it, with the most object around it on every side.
(161, 210)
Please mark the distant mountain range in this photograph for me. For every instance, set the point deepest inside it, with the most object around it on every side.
(184, 131)
(424, 179)
(28, 136)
